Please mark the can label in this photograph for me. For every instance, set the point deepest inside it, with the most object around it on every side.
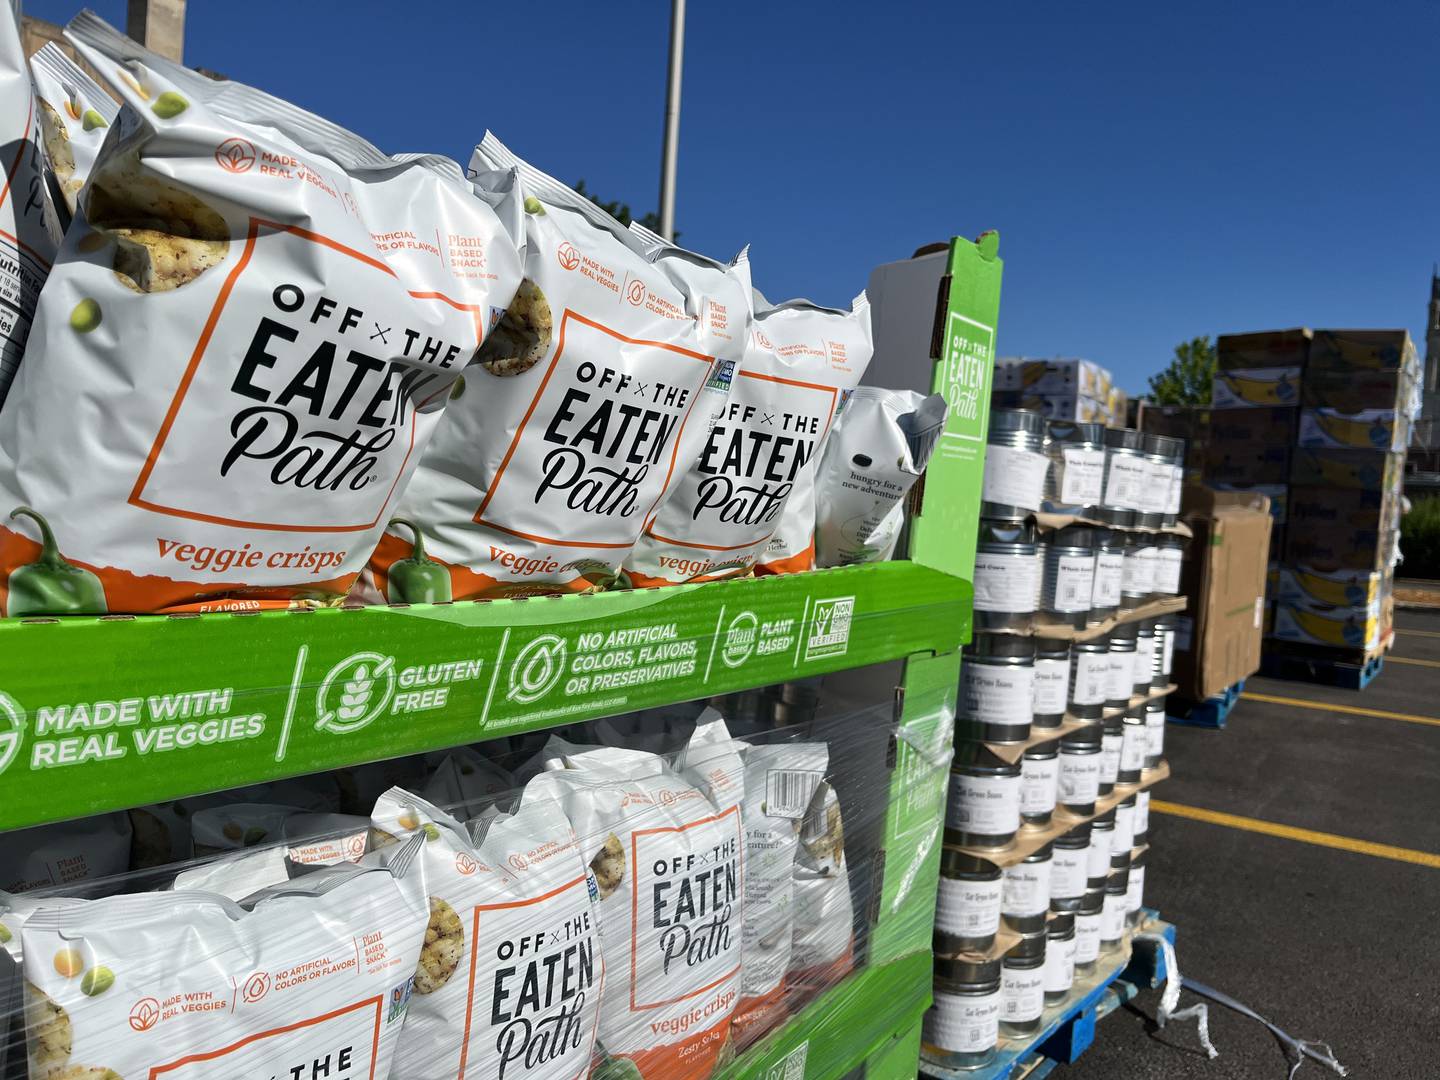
(1124, 479)
(1079, 777)
(1039, 782)
(1109, 579)
(1119, 675)
(1082, 476)
(1139, 572)
(1091, 672)
(1155, 492)
(995, 694)
(1087, 938)
(1168, 563)
(968, 908)
(1059, 965)
(1144, 657)
(1110, 756)
(1124, 838)
(963, 1023)
(1167, 658)
(1022, 992)
(1135, 889)
(1069, 868)
(1134, 740)
(1097, 863)
(1112, 917)
(1006, 583)
(987, 805)
(1142, 812)
(1014, 477)
(1027, 889)
(1074, 583)
(1177, 485)
(1155, 734)
(1052, 682)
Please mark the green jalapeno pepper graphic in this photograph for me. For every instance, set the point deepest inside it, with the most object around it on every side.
(418, 579)
(51, 585)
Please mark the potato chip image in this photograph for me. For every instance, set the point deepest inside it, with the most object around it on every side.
(51, 1034)
(520, 338)
(444, 945)
(609, 866)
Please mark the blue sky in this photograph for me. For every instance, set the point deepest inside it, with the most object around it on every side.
(1156, 170)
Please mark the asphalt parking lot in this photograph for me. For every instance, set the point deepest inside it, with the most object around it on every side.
(1333, 932)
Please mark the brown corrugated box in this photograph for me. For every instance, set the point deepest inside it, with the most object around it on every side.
(1224, 578)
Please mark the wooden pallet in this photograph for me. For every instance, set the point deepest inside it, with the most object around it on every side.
(1210, 713)
(1347, 669)
(1069, 1027)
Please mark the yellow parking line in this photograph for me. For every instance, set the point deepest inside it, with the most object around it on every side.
(1354, 710)
(1411, 660)
(1290, 832)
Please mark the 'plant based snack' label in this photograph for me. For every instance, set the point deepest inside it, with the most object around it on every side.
(589, 398)
(761, 451)
(283, 311)
(29, 231)
(313, 981)
(510, 978)
(666, 863)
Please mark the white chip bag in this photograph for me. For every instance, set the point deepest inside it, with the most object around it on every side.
(75, 114)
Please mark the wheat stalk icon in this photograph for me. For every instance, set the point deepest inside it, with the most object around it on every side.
(356, 694)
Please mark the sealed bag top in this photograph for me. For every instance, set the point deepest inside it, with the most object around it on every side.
(587, 400)
(189, 985)
(75, 115)
(252, 329)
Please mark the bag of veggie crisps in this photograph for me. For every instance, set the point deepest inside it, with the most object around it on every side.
(586, 403)
(249, 337)
(74, 115)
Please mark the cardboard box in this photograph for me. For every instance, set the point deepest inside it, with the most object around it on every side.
(1338, 529)
(1357, 389)
(1250, 446)
(1277, 495)
(1224, 577)
(1356, 470)
(1255, 388)
(1365, 429)
(1339, 627)
(1308, 587)
(1374, 350)
(1267, 348)
(1070, 377)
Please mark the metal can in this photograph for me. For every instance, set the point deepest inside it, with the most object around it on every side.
(1059, 957)
(1069, 868)
(1124, 838)
(1015, 465)
(1109, 574)
(1144, 655)
(983, 808)
(963, 1021)
(1125, 474)
(1079, 772)
(1142, 818)
(1039, 782)
(1022, 986)
(1135, 889)
(1172, 451)
(1112, 915)
(967, 906)
(1154, 732)
(1155, 493)
(1169, 561)
(1112, 735)
(997, 689)
(1052, 682)
(1087, 929)
(1068, 581)
(1138, 583)
(1007, 575)
(1097, 866)
(1134, 743)
(1077, 466)
(1089, 678)
(1120, 680)
(1026, 896)
(1165, 649)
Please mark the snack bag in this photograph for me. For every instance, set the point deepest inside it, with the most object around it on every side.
(14, 911)
(284, 311)
(47, 856)
(510, 978)
(312, 976)
(822, 948)
(465, 782)
(779, 780)
(586, 403)
(75, 115)
(846, 341)
(666, 865)
(237, 876)
(880, 448)
(29, 230)
(728, 510)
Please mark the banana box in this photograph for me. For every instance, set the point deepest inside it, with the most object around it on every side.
(1357, 388)
(1307, 587)
(1070, 377)
(1352, 470)
(1372, 350)
(1343, 627)
(1255, 388)
(1367, 429)
(1263, 349)
(1007, 373)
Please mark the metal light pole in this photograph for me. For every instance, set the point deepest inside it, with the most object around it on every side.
(671, 149)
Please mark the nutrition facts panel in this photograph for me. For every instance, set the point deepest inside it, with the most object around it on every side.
(21, 275)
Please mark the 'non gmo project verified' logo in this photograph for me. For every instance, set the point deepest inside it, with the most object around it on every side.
(830, 628)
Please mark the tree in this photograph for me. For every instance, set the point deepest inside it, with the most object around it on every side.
(621, 211)
(1187, 380)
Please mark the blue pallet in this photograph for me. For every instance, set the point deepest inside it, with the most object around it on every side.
(1210, 713)
(1304, 667)
(1069, 1028)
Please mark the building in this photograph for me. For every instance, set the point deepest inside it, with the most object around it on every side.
(1422, 468)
